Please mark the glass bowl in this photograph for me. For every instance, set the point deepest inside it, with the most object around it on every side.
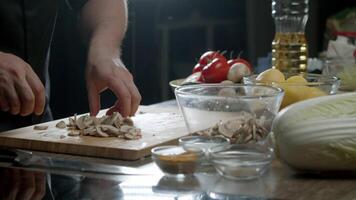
(345, 69)
(241, 113)
(242, 161)
(203, 142)
(317, 85)
(176, 160)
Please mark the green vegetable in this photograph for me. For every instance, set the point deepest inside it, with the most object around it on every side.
(318, 134)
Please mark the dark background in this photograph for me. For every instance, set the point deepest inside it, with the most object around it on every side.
(166, 37)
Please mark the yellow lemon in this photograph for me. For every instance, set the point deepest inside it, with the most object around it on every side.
(271, 75)
(292, 94)
(314, 92)
(296, 79)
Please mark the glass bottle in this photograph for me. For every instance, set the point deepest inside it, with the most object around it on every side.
(289, 47)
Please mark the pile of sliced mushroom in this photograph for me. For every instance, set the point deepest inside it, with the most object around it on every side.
(105, 126)
(244, 129)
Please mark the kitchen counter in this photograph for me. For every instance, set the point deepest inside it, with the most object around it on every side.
(280, 182)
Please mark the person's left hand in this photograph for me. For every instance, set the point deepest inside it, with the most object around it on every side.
(22, 184)
(105, 70)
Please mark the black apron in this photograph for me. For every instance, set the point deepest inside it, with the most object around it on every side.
(26, 29)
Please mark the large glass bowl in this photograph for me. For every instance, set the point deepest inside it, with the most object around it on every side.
(317, 85)
(242, 113)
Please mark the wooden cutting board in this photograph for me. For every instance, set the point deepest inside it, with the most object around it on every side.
(159, 127)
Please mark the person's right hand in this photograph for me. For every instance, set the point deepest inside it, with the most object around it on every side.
(21, 91)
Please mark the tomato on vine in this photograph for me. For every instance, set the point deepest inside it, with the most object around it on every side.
(216, 71)
(209, 56)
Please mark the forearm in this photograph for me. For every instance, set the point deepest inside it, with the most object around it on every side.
(103, 23)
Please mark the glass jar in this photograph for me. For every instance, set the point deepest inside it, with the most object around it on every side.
(289, 47)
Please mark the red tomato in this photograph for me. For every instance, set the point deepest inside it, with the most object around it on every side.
(216, 71)
(198, 68)
(209, 56)
(240, 60)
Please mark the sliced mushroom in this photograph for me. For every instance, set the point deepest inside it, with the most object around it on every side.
(132, 135)
(103, 119)
(129, 136)
(80, 122)
(246, 128)
(118, 123)
(73, 133)
(40, 127)
(88, 121)
(100, 132)
(229, 128)
(96, 121)
(113, 118)
(61, 125)
(105, 126)
(110, 129)
(124, 129)
(89, 130)
(127, 121)
(71, 122)
(135, 131)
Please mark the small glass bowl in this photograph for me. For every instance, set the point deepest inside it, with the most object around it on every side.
(241, 161)
(203, 142)
(176, 160)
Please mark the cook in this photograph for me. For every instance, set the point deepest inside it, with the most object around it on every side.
(25, 39)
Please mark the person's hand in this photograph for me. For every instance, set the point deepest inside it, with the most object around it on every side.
(21, 91)
(105, 70)
(21, 184)
(101, 189)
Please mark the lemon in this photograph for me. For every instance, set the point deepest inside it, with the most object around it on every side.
(292, 94)
(296, 79)
(271, 75)
(314, 92)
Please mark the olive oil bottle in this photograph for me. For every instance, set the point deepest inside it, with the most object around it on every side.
(290, 52)
(289, 47)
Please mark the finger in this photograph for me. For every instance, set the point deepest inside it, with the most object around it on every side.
(14, 184)
(114, 108)
(38, 91)
(4, 105)
(13, 99)
(122, 93)
(94, 99)
(27, 186)
(5, 187)
(135, 97)
(40, 179)
(26, 96)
